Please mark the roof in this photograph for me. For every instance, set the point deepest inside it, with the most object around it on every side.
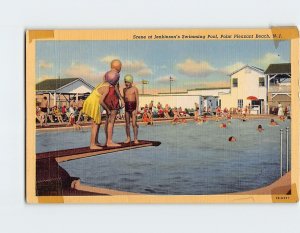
(208, 88)
(55, 84)
(173, 92)
(251, 67)
(281, 68)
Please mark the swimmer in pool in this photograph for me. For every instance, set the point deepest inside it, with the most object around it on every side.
(260, 128)
(273, 123)
(131, 96)
(232, 139)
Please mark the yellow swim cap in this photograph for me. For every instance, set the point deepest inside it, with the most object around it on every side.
(128, 78)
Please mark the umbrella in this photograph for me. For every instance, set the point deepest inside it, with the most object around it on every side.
(252, 98)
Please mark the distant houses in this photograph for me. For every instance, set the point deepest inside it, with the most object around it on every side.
(258, 90)
(279, 85)
(261, 90)
(247, 89)
(60, 91)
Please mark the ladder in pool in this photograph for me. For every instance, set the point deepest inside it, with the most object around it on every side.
(281, 150)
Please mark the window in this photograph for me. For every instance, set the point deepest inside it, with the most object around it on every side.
(261, 82)
(234, 82)
(240, 103)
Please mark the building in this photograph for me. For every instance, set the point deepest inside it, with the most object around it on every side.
(60, 91)
(186, 99)
(279, 85)
(247, 88)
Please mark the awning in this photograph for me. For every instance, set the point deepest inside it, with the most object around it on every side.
(252, 98)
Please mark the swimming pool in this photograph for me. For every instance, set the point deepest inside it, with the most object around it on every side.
(192, 159)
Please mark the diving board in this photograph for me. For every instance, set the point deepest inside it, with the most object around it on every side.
(83, 152)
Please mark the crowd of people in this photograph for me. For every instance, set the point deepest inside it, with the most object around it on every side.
(150, 111)
(71, 115)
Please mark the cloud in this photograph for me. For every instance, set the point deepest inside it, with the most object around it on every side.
(144, 72)
(165, 79)
(45, 77)
(107, 59)
(45, 65)
(230, 68)
(136, 67)
(193, 68)
(84, 71)
(267, 59)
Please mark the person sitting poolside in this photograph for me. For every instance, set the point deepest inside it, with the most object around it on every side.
(181, 112)
(199, 120)
(175, 117)
(204, 118)
(147, 117)
(223, 125)
(244, 117)
(273, 123)
(40, 116)
(167, 111)
(260, 128)
(57, 114)
(232, 139)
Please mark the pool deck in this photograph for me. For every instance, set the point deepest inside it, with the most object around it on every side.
(280, 186)
(84, 125)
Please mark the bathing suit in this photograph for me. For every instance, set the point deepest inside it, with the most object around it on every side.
(112, 100)
(130, 106)
(91, 106)
(44, 110)
(145, 118)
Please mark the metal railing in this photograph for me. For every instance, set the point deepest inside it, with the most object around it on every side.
(281, 150)
(279, 89)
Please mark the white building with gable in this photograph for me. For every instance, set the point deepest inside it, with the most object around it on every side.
(247, 88)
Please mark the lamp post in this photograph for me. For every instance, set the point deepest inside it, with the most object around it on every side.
(143, 83)
(171, 80)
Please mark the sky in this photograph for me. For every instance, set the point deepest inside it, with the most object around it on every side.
(192, 64)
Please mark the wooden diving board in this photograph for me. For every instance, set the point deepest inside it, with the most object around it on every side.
(83, 152)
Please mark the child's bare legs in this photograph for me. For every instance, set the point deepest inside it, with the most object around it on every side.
(127, 127)
(94, 136)
(78, 120)
(50, 118)
(149, 116)
(110, 128)
(59, 118)
(70, 120)
(134, 126)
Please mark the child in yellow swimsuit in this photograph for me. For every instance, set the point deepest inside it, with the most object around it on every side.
(91, 106)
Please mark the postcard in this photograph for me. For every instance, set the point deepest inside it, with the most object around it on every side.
(162, 116)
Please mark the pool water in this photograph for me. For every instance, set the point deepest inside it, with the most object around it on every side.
(192, 158)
